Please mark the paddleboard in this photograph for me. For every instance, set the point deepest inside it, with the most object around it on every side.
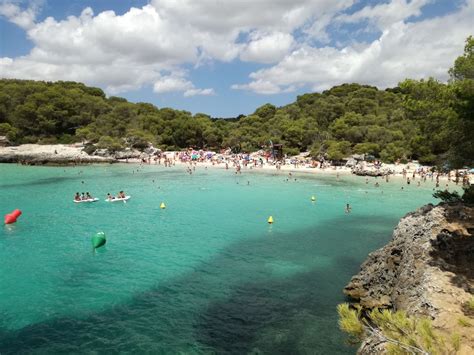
(116, 199)
(87, 201)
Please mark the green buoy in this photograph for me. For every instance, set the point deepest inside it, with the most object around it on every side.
(98, 240)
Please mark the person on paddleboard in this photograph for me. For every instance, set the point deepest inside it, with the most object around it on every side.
(121, 194)
(110, 197)
(77, 197)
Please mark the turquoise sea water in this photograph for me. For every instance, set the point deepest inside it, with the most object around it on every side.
(205, 275)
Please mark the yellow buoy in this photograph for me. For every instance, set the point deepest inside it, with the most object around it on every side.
(313, 198)
(270, 220)
(162, 206)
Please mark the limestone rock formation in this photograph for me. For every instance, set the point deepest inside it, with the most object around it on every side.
(36, 154)
(427, 269)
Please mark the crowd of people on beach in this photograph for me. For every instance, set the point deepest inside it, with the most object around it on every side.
(412, 172)
(303, 162)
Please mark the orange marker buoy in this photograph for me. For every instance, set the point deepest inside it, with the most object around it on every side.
(12, 217)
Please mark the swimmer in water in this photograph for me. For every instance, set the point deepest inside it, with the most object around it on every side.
(348, 208)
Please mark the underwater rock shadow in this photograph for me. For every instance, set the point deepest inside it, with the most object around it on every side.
(255, 302)
(252, 320)
(38, 182)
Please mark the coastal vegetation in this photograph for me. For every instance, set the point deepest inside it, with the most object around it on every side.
(467, 197)
(425, 120)
(402, 334)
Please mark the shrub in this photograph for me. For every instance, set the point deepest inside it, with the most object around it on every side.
(67, 139)
(89, 149)
(446, 196)
(468, 197)
(401, 333)
(109, 143)
(456, 341)
(463, 322)
(470, 304)
(291, 151)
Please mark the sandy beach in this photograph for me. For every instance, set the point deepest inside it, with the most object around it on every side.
(35, 154)
(286, 169)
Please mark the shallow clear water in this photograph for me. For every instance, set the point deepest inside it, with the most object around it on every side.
(205, 275)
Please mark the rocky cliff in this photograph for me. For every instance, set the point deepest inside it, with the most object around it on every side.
(427, 269)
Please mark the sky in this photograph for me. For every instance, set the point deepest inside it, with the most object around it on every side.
(228, 57)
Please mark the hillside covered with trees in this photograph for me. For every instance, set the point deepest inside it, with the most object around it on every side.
(419, 119)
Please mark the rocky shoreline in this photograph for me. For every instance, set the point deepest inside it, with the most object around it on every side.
(58, 154)
(427, 269)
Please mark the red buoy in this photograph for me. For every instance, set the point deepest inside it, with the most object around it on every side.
(12, 217)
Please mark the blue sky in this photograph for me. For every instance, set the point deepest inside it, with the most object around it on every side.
(224, 57)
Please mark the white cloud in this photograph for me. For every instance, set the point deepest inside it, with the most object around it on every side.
(404, 50)
(223, 16)
(151, 45)
(267, 48)
(123, 52)
(260, 86)
(385, 15)
(22, 18)
(119, 52)
(202, 92)
(179, 84)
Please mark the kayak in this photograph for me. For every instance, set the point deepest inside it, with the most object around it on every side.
(116, 199)
(98, 240)
(87, 201)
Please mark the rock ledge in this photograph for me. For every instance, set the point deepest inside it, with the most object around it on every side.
(427, 269)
